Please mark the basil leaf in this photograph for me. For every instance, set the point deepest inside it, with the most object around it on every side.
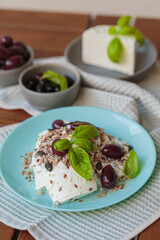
(123, 21)
(85, 131)
(126, 30)
(84, 143)
(131, 166)
(80, 162)
(112, 30)
(115, 50)
(139, 37)
(62, 144)
(56, 78)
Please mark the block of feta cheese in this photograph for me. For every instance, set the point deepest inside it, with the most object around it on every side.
(95, 42)
(62, 183)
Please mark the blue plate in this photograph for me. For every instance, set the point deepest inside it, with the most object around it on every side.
(23, 140)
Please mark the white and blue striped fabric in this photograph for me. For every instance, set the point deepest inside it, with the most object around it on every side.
(119, 222)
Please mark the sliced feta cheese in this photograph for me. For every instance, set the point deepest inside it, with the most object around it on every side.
(95, 42)
(62, 183)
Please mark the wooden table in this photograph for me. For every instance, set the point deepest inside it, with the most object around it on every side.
(49, 34)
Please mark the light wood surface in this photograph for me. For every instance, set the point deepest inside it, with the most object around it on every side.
(49, 34)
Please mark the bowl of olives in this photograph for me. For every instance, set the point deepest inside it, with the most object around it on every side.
(15, 56)
(47, 86)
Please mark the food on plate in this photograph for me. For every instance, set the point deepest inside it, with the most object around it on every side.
(112, 47)
(48, 81)
(73, 159)
(12, 54)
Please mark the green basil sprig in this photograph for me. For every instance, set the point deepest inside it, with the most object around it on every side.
(124, 21)
(115, 50)
(115, 47)
(85, 131)
(84, 143)
(56, 78)
(62, 144)
(78, 157)
(131, 166)
(80, 162)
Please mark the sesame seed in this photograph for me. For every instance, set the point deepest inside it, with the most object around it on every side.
(65, 175)
(60, 189)
(22, 172)
(90, 189)
(51, 181)
(80, 200)
(26, 177)
(75, 186)
(30, 181)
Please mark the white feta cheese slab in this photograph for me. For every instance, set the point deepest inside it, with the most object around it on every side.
(62, 183)
(95, 42)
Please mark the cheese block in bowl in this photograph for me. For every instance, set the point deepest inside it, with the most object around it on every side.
(95, 42)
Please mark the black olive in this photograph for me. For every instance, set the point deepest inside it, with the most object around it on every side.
(78, 123)
(48, 166)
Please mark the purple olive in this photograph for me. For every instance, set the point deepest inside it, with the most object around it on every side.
(13, 62)
(108, 177)
(1, 64)
(26, 55)
(3, 53)
(59, 153)
(20, 44)
(57, 124)
(78, 123)
(112, 151)
(15, 50)
(6, 41)
(38, 76)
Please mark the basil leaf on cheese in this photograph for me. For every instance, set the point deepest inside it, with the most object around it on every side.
(124, 21)
(126, 30)
(112, 30)
(80, 162)
(115, 50)
(85, 131)
(84, 143)
(62, 144)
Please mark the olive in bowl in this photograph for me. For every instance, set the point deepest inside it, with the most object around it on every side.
(15, 56)
(47, 86)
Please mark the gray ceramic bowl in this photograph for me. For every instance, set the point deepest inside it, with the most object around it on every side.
(10, 77)
(45, 101)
